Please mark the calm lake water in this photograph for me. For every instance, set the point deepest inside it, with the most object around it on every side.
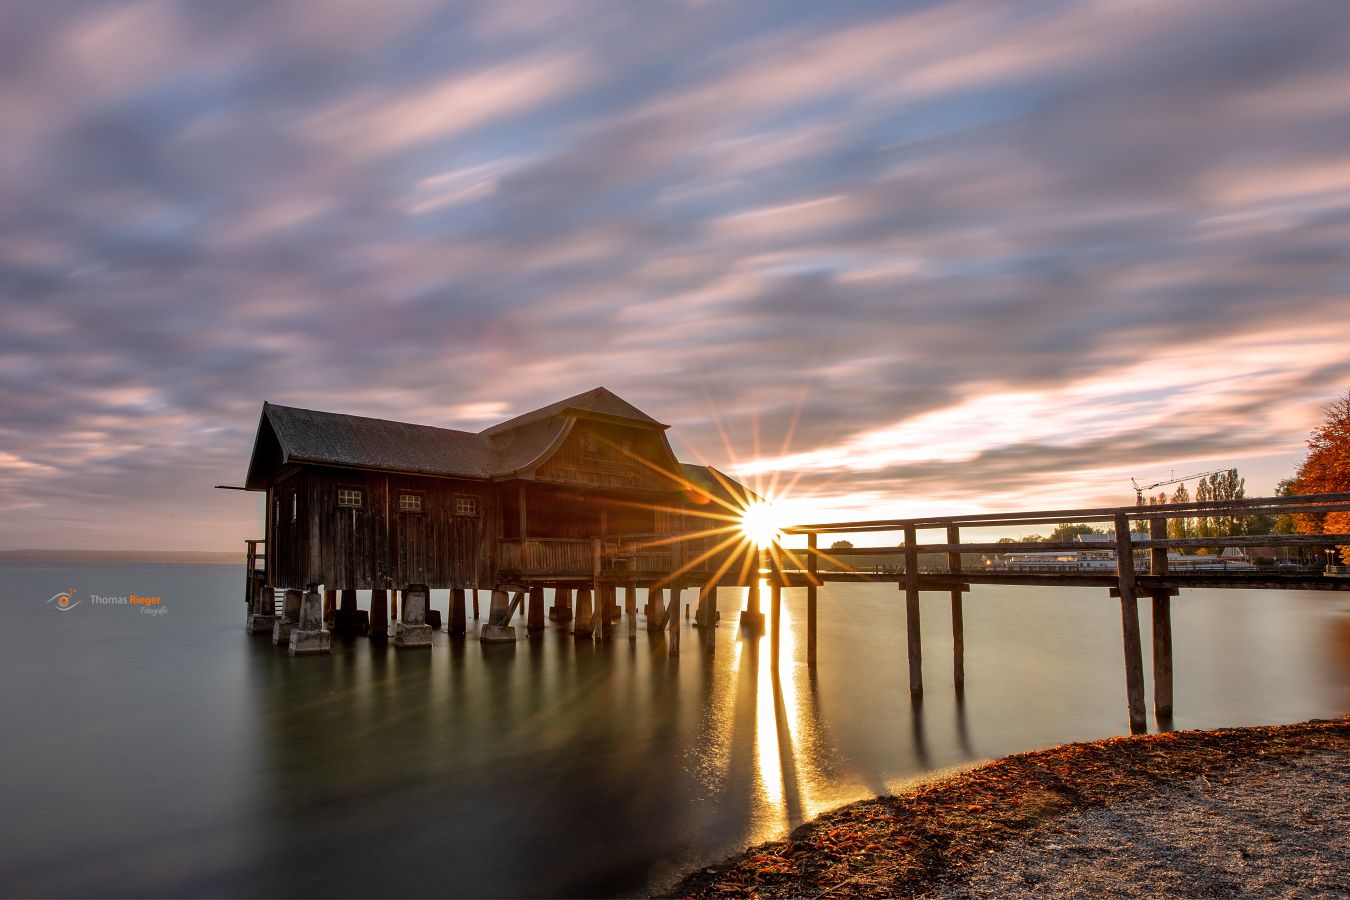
(177, 756)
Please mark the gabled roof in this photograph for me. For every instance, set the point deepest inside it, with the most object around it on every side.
(502, 451)
(307, 435)
(598, 401)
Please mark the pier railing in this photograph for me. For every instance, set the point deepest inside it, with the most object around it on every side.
(1132, 575)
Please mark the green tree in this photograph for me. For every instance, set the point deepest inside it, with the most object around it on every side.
(1182, 527)
(842, 545)
(1067, 532)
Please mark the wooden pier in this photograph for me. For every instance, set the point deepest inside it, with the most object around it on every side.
(586, 497)
(1141, 569)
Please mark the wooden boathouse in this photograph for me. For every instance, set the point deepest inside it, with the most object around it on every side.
(568, 497)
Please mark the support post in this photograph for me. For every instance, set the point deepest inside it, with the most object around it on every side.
(378, 627)
(630, 607)
(309, 636)
(411, 630)
(673, 619)
(656, 610)
(458, 621)
(498, 627)
(752, 618)
(913, 633)
(329, 608)
(603, 617)
(584, 624)
(812, 567)
(347, 620)
(262, 617)
(475, 604)
(1162, 626)
(1129, 620)
(536, 618)
(561, 610)
(290, 617)
(958, 618)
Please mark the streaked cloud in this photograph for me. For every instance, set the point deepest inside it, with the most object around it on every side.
(966, 254)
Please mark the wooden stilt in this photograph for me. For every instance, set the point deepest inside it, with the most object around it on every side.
(673, 619)
(329, 608)
(393, 605)
(1129, 618)
(561, 611)
(475, 604)
(812, 567)
(378, 627)
(958, 621)
(536, 617)
(583, 624)
(753, 617)
(914, 635)
(458, 624)
(1162, 626)
(656, 609)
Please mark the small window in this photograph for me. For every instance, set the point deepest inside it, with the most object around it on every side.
(590, 446)
(276, 516)
(411, 503)
(349, 498)
(294, 507)
(466, 506)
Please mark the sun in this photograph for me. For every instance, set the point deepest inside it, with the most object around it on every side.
(761, 523)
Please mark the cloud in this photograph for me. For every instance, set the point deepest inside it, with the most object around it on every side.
(966, 254)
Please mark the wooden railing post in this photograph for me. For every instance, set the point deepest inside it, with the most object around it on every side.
(915, 639)
(812, 567)
(958, 621)
(1129, 619)
(1162, 625)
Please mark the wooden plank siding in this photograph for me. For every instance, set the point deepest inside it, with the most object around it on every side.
(546, 485)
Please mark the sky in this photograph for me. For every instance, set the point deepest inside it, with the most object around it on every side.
(912, 258)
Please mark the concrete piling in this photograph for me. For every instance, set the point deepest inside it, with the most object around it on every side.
(411, 631)
(309, 636)
(561, 610)
(498, 628)
(290, 615)
(262, 617)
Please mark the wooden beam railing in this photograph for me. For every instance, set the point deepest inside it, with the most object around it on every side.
(1128, 580)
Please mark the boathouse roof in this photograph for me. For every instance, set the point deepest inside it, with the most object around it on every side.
(293, 435)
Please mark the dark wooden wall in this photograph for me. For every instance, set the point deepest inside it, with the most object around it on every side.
(593, 456)
(377, 545)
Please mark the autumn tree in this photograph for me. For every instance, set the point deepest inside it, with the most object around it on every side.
(1326, 470)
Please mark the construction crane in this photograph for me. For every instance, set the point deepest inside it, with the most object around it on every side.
(1139, 489)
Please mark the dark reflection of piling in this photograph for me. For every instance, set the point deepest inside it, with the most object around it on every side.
(962, 730)
(920, 738)
(787, 761)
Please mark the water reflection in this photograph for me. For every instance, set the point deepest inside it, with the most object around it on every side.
(555, 766)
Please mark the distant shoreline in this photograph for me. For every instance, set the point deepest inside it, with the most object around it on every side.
(211, 557)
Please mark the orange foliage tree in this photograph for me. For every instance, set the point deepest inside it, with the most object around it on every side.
(1326, 471)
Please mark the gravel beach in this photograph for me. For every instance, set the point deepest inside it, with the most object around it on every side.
(1277, 829)
(1241, 812)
